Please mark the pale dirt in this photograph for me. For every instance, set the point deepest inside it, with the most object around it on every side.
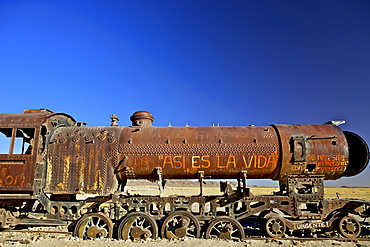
(41, 241)
(61, 240)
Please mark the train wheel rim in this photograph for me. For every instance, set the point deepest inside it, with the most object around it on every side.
(275, 227)
(94, 226)
(136, 226)
(224, 227)
(349, 227)
(180, 224)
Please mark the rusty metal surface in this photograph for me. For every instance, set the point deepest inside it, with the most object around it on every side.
(181, 152)
(32, 118)
(17, 167)
(313, 149)
(24, 119)
(81, 160)
(273, 152)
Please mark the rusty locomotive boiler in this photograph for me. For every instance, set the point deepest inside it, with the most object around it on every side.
(56, 171)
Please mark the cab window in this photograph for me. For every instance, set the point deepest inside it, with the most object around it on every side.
(16, 141)
(5, 137)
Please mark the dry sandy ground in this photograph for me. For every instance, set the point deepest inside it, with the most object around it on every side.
(72, 242)
(186, 187)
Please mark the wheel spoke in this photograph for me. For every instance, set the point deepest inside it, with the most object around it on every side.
(225, 227)
(137, 225)
(180, 224)
(215, 228)
(275, 227)
(140, 221)
(86, 227)
(349, 227)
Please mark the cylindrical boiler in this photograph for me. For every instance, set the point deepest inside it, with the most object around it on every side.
(273, 152)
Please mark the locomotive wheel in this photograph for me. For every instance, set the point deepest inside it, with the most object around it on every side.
(349, 227)
(137, 225)
(224, 227)
(93, 226)
(180, 224)
(275, 227)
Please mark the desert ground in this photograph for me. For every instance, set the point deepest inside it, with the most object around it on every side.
(71, 242)
(186, 187)
(182, 188)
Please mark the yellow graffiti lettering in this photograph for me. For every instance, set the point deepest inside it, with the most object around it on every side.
(262, 161)
(311, 157)
(272, 160)
(231, 161)
(321, 157)
(177, 162)
(205, 159)
(194, 162)
(167, 160)
(218, 162)
(8, 180)
(325, 157)
(246, 163)
(142, 161)
(297, 168)
(190, 170)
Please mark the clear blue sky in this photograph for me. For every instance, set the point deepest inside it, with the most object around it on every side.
(197, 62)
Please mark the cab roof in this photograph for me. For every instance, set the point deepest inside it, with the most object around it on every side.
(30, 118)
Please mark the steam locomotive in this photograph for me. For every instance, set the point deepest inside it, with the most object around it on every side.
(57, 171)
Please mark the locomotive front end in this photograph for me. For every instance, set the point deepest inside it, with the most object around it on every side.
(322, 149)
(358, 154)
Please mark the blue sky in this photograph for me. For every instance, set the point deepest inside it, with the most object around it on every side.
(197, 62)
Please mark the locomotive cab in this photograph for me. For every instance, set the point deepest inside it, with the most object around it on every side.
(22, 142)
